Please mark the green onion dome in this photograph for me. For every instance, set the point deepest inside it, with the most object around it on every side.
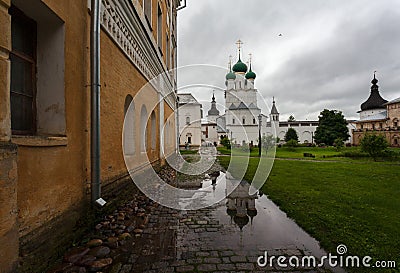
(250, 75)
(230, 76)
(240, 67)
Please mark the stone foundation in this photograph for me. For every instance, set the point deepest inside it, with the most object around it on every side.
(8, 207)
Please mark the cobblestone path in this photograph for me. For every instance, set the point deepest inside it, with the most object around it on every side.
(226, 237)
(195, 241)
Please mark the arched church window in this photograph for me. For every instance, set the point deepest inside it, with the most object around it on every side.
(187, 120)
(243, 120)
(254, 121)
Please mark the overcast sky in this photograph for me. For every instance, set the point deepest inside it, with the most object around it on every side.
(325, 57)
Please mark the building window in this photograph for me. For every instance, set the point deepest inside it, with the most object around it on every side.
(147, 11)
(129, 126)
(159, 28)
(395, 123)
(153, 131)
(243, 120)
(254, 121)
(167, 57)
(187, 120)
(23, 73)
(143, 128)
(381, 125)
(233, 121)
(37, 96)
(373, 126)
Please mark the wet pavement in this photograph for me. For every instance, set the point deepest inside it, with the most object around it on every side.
(226, 237)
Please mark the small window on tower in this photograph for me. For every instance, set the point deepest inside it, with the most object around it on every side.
(254, 121)
(233, 121)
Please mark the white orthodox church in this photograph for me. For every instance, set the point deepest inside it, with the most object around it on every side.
(242, 117)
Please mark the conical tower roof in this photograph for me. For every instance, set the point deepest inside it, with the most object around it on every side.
(375, 101)
(213, 111)
(274, 111)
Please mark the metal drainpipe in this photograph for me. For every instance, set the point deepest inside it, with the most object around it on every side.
(95, 100)
(177, 103)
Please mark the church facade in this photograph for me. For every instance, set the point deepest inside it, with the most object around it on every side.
(243, 118)
(189, 121)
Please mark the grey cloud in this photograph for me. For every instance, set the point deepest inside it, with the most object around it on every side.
(333, 69)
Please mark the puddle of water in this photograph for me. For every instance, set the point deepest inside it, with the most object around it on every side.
(253, 222)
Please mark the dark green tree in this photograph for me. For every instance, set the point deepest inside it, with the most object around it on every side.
(225, 142)
(291, 118)
(374, 145)
(291, 134)
(332, 126)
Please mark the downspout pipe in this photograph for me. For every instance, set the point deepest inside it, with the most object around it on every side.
(95, 100)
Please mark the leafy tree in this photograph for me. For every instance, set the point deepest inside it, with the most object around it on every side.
(267, 142)
(332, 125)
(291, 134)
(292, 143)
(374, 145)
(225, 142)
(291, 118)
(338, 143)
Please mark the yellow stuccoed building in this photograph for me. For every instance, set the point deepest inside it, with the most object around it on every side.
(45, 110)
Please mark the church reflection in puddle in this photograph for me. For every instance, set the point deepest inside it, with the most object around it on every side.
(241, 206)
(251, 222)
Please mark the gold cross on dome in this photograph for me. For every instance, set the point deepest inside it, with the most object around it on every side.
(239, 44)
(250, 55)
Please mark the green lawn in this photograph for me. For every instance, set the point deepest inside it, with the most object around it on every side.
(326, 153)
(188, 152)
(340, 203)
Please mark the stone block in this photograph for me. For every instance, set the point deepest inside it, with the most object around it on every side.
(5, 27)
(5, 114)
